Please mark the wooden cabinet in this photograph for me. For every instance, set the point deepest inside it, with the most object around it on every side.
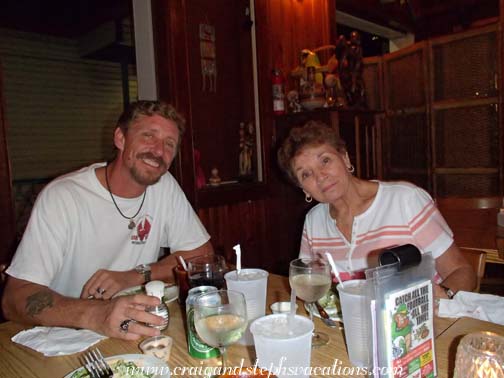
(442, 129)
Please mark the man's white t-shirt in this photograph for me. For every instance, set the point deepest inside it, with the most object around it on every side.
(75, 230)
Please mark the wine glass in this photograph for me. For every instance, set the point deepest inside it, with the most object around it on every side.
(311, 279)
(220, 318)
(207, 270)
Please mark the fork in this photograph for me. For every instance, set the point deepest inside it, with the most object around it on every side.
(324, 316)
(96, 365)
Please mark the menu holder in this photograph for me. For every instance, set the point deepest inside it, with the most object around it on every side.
(402, 314)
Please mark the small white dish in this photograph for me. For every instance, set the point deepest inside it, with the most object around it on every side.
(148, 363)
(170, 292)
(157, 346)
(281, 307)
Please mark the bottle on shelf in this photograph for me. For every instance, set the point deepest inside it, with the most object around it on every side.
(278, 92)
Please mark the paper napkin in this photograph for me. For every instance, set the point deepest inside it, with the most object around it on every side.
(57, 341)
(473, 305)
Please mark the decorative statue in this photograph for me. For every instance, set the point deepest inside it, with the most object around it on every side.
(246, 149)
(214, 179)
(349, 56)
(355, 66)
(293, 98)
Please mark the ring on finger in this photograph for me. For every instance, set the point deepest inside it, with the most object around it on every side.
(100, 291)
(124, 326)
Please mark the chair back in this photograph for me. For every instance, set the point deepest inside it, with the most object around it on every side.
(477, 259)
(472, 220)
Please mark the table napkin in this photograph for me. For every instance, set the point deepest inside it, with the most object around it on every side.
(57, 341)
(473, 305)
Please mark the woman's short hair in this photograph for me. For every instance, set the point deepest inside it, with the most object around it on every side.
(150, 108)
(311, 134)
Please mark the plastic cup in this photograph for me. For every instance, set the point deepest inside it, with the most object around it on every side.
(157, 346)
(356, 321)
(253, 284)
(281, 307)
(283, 349)
(182, 281)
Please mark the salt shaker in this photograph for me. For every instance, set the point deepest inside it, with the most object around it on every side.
(156, 289)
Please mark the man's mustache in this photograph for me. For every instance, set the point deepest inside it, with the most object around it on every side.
(151, 156)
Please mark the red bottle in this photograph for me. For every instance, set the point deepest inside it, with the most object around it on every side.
(278, 92)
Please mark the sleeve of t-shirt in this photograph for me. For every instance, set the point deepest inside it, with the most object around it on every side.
(430, 231)
(305, 248)
(184, 229)
(41, 252)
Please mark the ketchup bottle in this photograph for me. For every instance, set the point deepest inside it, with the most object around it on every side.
(277, 81)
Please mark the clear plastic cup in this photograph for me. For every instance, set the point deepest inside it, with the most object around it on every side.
(282, 348)
(356, 320)
(281, 307)
(253, 284)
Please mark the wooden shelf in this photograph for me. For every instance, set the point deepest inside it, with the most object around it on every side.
(226, 194)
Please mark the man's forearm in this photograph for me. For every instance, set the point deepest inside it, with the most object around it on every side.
(31, 303)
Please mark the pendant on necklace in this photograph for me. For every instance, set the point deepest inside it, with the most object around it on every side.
(131, 224)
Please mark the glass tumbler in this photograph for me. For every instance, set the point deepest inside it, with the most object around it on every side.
(481, 355)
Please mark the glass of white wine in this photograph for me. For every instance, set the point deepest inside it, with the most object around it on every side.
(311, 279)
(220, 318)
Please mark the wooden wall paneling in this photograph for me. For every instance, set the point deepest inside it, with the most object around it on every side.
(241, 223)
(169, 24)
(7, 225)
(500, 45)
(270, 227)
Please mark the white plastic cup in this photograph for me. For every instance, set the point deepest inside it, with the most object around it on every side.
(253, 284)
(281, 349)
(357, 321)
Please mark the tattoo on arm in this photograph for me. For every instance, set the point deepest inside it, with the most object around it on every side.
(37, 302)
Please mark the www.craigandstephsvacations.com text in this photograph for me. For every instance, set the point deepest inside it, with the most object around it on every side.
(336, 369)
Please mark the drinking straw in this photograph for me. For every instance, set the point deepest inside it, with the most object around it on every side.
(334, 268)
(238, 259)
(292, 312)
(182, 262)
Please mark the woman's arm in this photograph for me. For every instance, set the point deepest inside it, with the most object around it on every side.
(456, 272)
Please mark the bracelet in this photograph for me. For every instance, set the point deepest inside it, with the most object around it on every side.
(449, 292)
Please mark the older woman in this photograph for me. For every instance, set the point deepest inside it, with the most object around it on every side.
(356, 218)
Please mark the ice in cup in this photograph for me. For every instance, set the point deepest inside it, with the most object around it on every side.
(283, 347)
(253, 284)
(157, 346)
(357, 320)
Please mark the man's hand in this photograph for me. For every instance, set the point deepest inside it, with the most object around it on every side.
(105, 283)
(106, 317)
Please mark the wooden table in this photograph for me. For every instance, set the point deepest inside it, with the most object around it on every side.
(18, 361)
